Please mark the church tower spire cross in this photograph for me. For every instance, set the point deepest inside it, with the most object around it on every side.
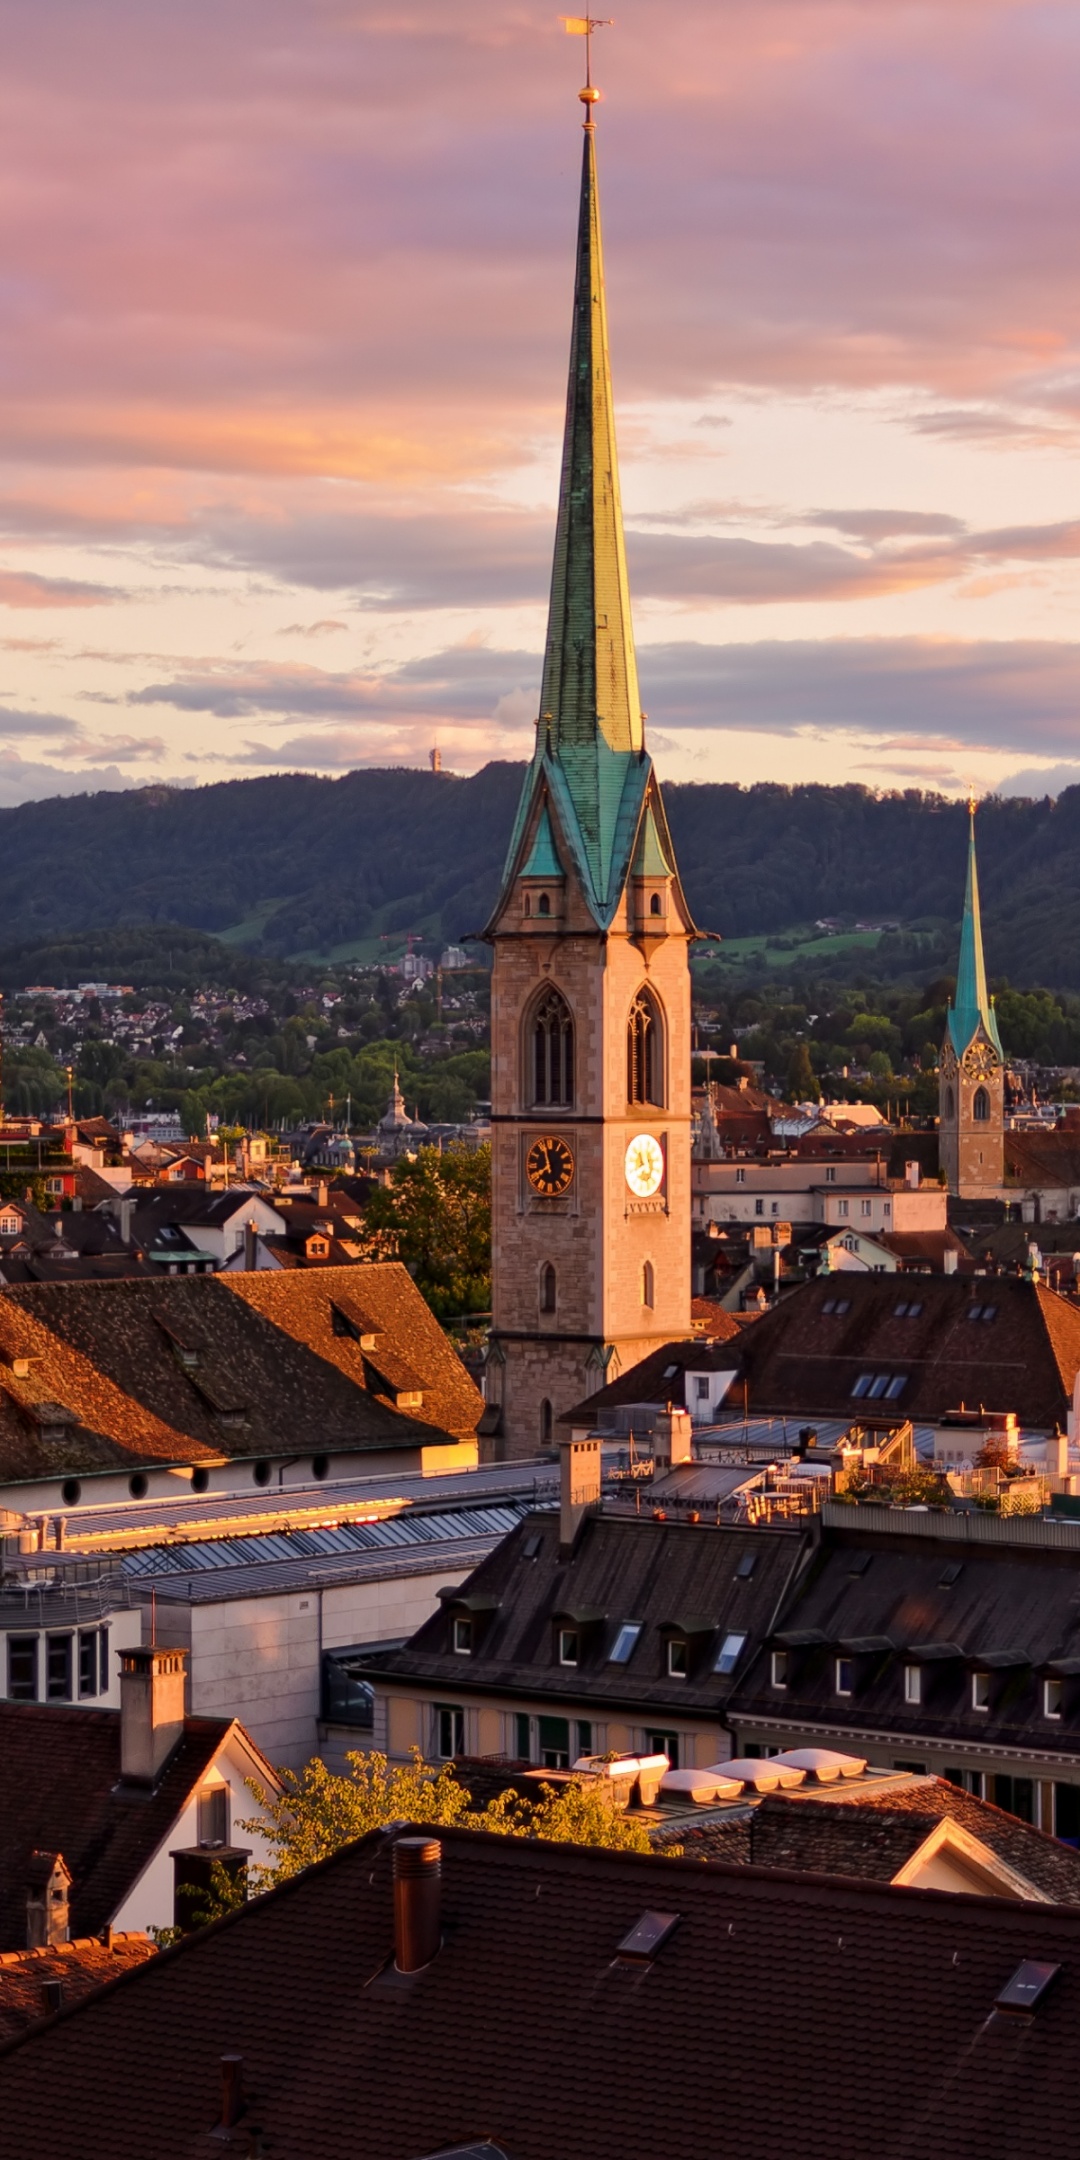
(971, 1096)
(591, 982)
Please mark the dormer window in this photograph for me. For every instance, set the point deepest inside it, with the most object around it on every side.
(656, 905)
(1052, 1694)
(678, 1658)
(463, 1638)
(543, 905)
(569, 1646)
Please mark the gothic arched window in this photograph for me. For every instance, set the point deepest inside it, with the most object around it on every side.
(648, 1285)
(980, 1108)
(547, 1422)
(552, 1047)
(645, 1051)
(548, 1289)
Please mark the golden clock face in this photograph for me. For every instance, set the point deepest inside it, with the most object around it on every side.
(549, 1165)
(644, 1166)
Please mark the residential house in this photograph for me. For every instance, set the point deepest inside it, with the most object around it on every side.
(104, 1812)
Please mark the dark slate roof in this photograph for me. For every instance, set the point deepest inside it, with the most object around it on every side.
(664, 1575)
(59, 1779)
(269, 1375)
(661, 1377)
(79, 1966)
(529, 2032)
(800, 1358)
(922, 1593)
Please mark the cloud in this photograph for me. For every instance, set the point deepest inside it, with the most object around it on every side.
(24, 589)
(21, 781)
(1039, 780)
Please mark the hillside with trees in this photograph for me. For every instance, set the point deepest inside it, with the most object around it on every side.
(333, 869)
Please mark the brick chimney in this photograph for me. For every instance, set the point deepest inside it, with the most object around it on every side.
(48, 1885)
(579, 1484)
(151, 1710)
(251, 1244)
(673, 1437)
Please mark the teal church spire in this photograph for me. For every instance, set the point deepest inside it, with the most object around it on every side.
(972, 1007)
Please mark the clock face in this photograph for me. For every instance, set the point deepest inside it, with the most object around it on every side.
(644, 1166)
(549, 1165)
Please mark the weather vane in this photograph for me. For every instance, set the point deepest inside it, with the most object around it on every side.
(583, 26)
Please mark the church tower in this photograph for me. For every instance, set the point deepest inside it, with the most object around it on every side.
(971, 1124)
(590, 1011)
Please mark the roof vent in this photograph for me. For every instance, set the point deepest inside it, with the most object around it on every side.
(746, 1566)
(1024, 1992)
(644, 1940)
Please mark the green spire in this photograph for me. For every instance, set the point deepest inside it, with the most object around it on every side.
(543, 860)
(972, 1006)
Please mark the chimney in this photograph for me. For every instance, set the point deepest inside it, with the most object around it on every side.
(232, 2091)
(322, 1194)
(673, 1437)
(579, 1484)
(912, 1176)
(949, 1261)
(251, 1244)
(125, 1211)
(151, 1710)
(417, 1899)
(48, 1885)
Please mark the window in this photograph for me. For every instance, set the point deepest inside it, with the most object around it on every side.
(950, 1103)
(58, 1668)
(554, 1738)
(569, 1646)
(543, 905)
(103, 1661)
(913, 1684)
(213, 1815)
(842, 1208)
(729, 1653)
(746, 1567)
(449, 1731)
(1067, 1814)
(875, 1387)
(547, 1422)
(522, 1739)
(980, 1108)
(346, 1697)
(463, 1638)
(775, 1208)
(22, 1673)
(655, 906)
(868, 1207)
(982, 1312)
(623, 1645)
(759, 1207)
(1052, 1694)
(837, 1305)
(701, 1387)
(1017, 1796)
(844, 1675)
(663, 1743)
(648, 1286)
(548, 1288)
(779, 1668)
(909, 1309)
(88, 1663)
(980, 1691)
(678, 1658)
(740, 1177)
(644, 1051)
(584, 1736)
(830, 1177)
(553, 1050)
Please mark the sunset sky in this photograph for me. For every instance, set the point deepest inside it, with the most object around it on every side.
(284, 308)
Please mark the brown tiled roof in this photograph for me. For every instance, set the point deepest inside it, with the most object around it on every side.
(661, 1377)
(803, 1359)
(79, 1966)
(529, 2031)
(59, 1792)
(265, 1346)
(872, 1834)
(1043, 1159)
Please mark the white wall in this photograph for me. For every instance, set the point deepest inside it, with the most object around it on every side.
(150, 1901)
(257, 1658)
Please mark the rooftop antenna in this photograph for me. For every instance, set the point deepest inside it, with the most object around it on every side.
(583, 26)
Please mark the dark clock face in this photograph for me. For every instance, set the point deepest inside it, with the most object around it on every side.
(549, 1165)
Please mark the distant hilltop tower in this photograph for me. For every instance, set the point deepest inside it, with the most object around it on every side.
(590, 1003)
(435, 755)
(972, 1086)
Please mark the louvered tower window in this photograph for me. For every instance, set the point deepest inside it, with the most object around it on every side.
(553, 1051)
(644, 1052)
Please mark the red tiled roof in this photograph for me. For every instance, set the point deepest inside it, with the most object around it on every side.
(79, 1966)
(59, 1780)
(528, 2030)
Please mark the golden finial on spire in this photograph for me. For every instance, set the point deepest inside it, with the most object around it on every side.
(583, 26)
(973, 802)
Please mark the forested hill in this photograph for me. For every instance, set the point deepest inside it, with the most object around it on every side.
(302, 865)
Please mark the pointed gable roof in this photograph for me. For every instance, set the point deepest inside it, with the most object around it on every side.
(972, 1007)
(543, 857)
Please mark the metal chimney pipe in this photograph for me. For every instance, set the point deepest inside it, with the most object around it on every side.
(417, 1901)
(232, 2090)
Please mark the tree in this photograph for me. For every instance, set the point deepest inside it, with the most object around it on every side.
(438, 1204)
(803, 1084)
(320, 1810)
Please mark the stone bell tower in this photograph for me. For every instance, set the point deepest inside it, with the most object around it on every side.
(590, 1018)
(971, 1099)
